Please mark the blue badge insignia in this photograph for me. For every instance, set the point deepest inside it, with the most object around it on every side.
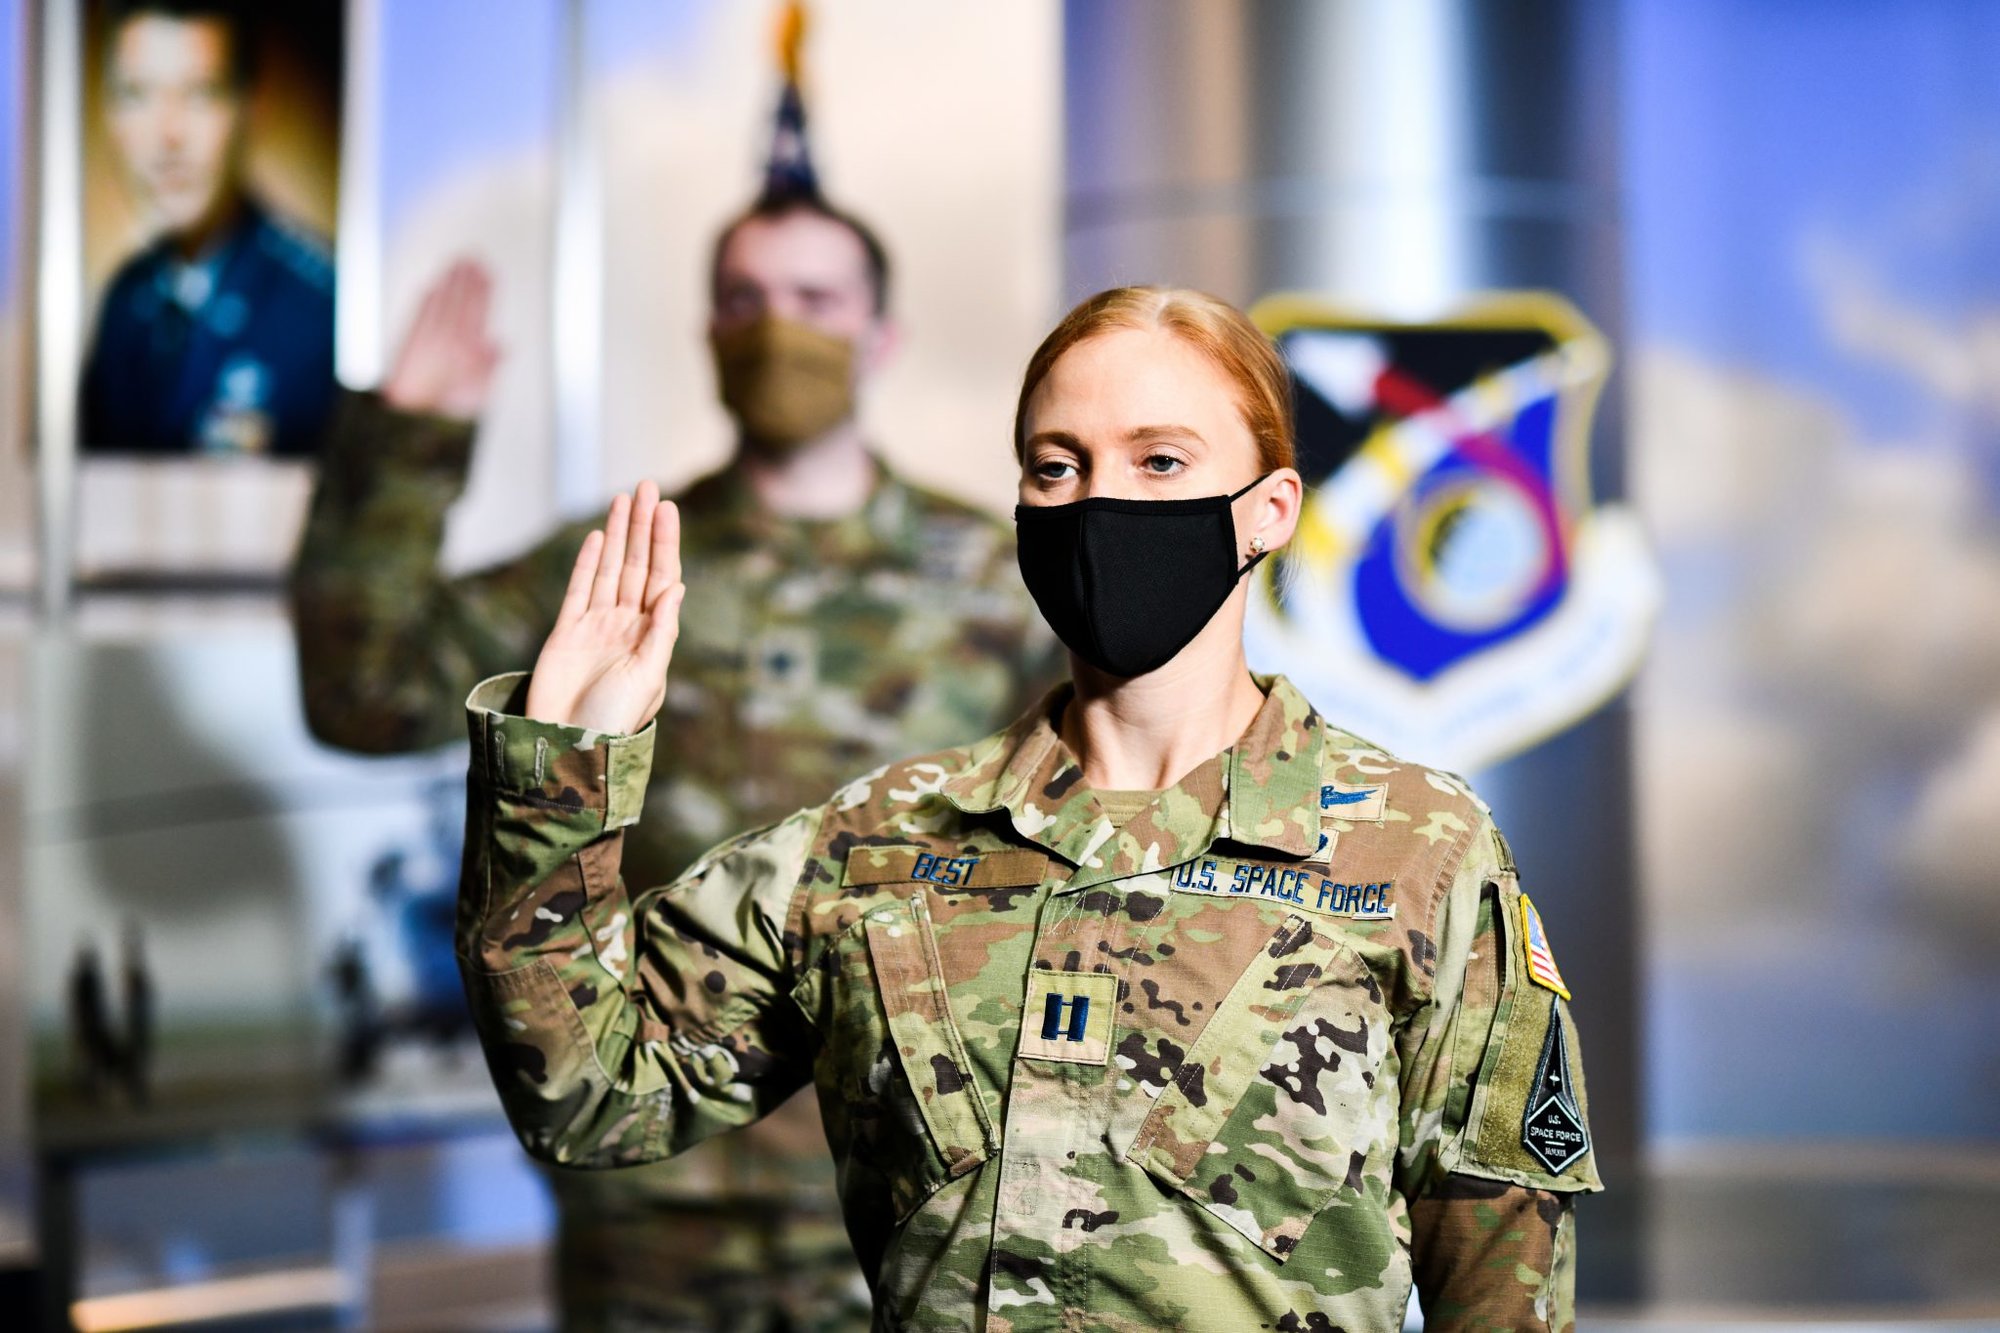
(1068, 1016)
(1452, 591)
(1347, 800)
(239, 420)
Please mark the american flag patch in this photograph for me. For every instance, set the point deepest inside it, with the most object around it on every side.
(1535, 944)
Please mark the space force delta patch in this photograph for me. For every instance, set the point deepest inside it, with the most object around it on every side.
(1303, 887)
(1553, 1130)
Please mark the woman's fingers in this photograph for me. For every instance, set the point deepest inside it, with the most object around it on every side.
(605, 591)
(665, 571)
(639, 545)
(663, 626)
(576, 597)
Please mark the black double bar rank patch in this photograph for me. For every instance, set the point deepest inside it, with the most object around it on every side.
(1553, 1131)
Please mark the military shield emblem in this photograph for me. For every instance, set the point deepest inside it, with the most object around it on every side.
(1453, 592)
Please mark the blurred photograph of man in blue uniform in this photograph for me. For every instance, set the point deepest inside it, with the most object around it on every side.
(217, 337)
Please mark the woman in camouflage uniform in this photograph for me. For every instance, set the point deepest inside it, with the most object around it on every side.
(1173, 1005)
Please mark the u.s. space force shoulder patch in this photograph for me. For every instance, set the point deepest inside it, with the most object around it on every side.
(1553, 1130)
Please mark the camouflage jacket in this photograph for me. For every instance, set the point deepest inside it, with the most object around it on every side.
(808, 650)
(1284, 1042)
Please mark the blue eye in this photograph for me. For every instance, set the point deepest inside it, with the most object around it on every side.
(1162, 464)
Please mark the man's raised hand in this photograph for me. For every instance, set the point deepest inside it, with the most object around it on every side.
(445, 365)
(604, 665)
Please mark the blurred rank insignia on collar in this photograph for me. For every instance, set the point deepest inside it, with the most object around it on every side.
(1553, 1130)
(784, 663)
(1454, 591)
(1535, 946)
(1351, 800)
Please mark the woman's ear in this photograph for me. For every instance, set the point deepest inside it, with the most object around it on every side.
(1274, 513)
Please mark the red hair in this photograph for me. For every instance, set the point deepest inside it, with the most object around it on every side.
(1212, 326)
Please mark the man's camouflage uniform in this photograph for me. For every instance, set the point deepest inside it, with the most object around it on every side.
(1261, 1057)
(808, 651)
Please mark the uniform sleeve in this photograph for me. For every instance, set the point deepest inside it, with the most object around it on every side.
(1496, 1138)
(619, 1027)
(387, 645)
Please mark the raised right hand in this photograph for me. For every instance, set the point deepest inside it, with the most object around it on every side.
(445, 365)
(604, 665)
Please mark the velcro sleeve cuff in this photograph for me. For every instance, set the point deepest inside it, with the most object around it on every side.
(553, 764)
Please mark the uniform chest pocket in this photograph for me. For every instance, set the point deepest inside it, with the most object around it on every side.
(896, 1085)
(1279, 1105)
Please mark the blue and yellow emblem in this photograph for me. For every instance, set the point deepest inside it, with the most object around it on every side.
(1453, 591)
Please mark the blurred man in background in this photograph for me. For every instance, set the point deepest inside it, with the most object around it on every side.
(845, 616)
(218, 336)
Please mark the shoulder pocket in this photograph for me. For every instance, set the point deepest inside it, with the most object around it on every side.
(901, 1100)
(1275, 1112)
(1528, 1120)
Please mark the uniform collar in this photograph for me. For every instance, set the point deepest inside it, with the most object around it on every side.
(725, 500)
(192, 283)
(1262, 792)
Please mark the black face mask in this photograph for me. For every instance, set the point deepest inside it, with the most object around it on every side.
(1126, 584)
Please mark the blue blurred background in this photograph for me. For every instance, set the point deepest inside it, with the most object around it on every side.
(1815, 206)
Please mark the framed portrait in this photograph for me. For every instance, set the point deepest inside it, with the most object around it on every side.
(211, 149)
(210, 143)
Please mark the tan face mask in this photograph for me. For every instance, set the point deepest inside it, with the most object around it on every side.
(784, 382)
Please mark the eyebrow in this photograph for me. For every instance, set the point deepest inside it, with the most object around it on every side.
(1140, 434)
(1137, 435)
